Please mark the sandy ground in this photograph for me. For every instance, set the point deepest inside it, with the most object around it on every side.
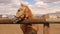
(15, 29)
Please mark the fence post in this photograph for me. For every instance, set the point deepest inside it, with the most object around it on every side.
(46, 28)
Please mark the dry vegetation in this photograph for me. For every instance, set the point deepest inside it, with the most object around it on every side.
(5, 20)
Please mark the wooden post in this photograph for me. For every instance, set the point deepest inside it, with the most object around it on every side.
(46, 28)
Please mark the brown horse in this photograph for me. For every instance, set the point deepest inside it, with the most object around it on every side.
(25, 13)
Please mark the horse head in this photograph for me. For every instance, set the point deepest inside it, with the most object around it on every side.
(24, 12)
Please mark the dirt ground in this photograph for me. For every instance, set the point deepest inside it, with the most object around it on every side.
(15, 29)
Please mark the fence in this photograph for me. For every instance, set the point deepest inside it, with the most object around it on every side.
(46, 24)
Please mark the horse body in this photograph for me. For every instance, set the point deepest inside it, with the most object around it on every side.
(25, 12)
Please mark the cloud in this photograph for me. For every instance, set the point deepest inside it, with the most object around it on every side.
(45, 6)
(41, 4)
(5, 1)
(51, 1)
(39, 7)
(47, 1)
(9, 6)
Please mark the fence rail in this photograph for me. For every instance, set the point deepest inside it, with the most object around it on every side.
(35, 21)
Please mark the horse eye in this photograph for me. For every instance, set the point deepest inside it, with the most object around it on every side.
(18, 10)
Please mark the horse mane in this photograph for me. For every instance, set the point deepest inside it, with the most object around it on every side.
(29, 12)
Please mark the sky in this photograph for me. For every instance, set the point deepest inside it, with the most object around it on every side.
(37, 6)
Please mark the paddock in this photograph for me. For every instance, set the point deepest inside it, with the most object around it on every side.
(45, 27)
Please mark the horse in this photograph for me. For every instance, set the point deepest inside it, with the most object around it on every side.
(25, 13)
